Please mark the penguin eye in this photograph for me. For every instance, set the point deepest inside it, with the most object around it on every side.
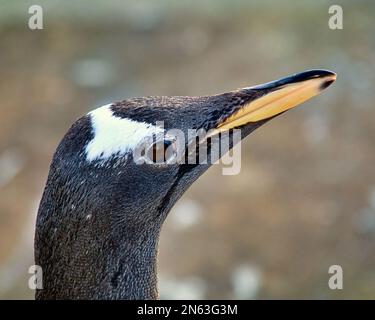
(162, 152)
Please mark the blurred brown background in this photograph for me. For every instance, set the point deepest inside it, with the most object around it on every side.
(305, 197)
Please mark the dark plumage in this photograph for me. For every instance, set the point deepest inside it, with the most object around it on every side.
(99, 222)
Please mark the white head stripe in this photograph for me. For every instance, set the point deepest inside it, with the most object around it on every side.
(114, 135)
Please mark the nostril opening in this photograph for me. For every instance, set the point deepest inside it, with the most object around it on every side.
(326, 84)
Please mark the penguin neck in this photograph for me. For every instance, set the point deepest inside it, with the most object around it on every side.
(92, 258)
(129, 267)
(132, 269)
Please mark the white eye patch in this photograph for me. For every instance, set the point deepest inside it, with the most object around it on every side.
(114, 135)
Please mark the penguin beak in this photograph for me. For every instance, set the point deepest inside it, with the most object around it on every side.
(276, 97)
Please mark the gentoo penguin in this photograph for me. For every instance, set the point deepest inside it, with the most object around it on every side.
(102, 209)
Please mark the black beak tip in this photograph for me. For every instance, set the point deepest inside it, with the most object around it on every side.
(317, 73)
(312, 74)
(326, 84)
(299, 77)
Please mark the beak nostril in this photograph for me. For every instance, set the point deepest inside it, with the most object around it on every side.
(326, 84)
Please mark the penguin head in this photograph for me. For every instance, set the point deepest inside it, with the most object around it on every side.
(128, 162)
